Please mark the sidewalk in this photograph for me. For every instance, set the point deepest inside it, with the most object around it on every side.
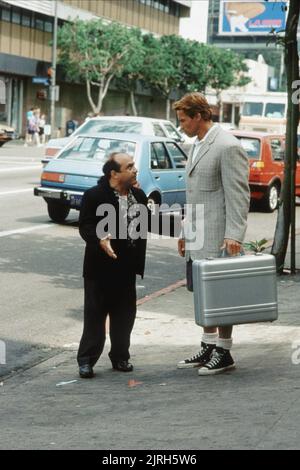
(158, 406)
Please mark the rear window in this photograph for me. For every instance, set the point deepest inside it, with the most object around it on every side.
(251, 147)
(172, 132)
(93, 149)
(92, 127)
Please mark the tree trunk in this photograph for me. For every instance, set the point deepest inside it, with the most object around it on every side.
(133, 105)
(89, 95)
(286, 212)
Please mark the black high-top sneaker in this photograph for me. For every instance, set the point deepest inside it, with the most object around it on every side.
(200, 359)
(221, 361)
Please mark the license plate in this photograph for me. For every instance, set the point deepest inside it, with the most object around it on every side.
(75, 199)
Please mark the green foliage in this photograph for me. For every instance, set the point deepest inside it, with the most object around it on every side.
(92, 49)
(225, 69)
(257, 246)
(94, 53)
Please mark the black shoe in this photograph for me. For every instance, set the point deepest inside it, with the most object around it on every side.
(86, 371)
(122, 366)
(220, 361)
(199, 359)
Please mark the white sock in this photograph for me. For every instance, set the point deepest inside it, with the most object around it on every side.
(209, 338)
(225, 343)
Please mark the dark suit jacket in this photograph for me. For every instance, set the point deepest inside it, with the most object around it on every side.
(97, 264)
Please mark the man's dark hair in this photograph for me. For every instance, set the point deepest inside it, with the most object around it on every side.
(111, 165)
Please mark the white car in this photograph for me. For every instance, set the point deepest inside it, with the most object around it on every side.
(127, 124)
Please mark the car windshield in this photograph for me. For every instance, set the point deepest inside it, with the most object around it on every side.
(252, 109)
(96, 149)
(251, 147)
(96, 126)
(274, 110)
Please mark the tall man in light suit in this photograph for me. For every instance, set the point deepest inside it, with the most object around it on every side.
(216, 179)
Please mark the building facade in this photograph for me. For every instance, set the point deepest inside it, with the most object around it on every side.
(26, 29)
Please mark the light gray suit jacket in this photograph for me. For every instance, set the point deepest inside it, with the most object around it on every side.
(217, 181)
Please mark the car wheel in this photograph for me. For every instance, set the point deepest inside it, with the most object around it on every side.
(152, 203)
(1, 143)
(57, 212)
(271, 199)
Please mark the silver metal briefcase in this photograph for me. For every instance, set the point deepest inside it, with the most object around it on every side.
(235, 290)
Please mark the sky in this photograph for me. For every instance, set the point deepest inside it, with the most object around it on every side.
(196, 27)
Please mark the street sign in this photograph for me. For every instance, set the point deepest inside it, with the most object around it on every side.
(54, 94)
(40, 80)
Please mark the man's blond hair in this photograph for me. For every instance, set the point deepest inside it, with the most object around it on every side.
(194, 103)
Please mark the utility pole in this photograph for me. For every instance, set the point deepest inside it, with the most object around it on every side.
(53, 72)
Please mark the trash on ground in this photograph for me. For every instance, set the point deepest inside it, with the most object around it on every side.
(65, 383)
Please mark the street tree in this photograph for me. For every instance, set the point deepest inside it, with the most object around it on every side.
(93, 52)
(163, 69)
(195, 67)
(133, 70)
(286, 211)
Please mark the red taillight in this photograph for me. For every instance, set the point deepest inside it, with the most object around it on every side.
(54, 177)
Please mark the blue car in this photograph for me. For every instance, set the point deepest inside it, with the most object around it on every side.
(78, 166)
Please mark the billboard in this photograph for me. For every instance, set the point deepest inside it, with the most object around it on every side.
(251, 18)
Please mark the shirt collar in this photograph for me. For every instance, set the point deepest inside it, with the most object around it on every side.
(198, 141)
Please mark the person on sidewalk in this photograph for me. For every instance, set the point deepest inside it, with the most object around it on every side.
(112, 262)
(217, 179)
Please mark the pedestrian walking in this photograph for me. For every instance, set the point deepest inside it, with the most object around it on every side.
(41, 125)
(216, 179)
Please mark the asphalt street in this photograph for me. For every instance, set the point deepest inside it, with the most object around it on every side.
(41, 263)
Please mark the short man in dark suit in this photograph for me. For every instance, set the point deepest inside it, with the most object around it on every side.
(111, 264)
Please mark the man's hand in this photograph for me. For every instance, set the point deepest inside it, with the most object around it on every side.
(106, 246)
(181, 247)
(232, 247)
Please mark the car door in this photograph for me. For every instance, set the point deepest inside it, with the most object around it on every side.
(179, 159)
(163, 173)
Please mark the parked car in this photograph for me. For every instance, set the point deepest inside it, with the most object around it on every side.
(266, 154)
(160, 163)
(7, 133)
(128, 124)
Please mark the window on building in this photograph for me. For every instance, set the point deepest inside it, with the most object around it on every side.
(6, 13)
(16, 16)
(163, 5)
(39, 24)
(26, 20)
(48, 27)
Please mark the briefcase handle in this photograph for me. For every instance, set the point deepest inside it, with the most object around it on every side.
(225, 254)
